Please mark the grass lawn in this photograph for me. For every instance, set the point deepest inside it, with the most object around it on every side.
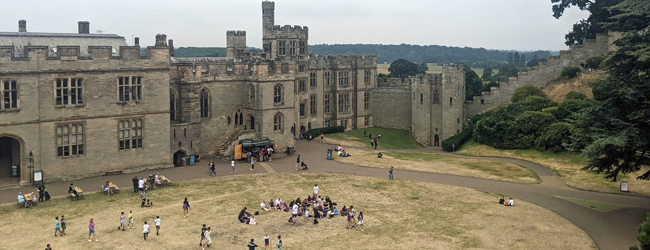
(390, 138)
(398, 215)
(430, 162)
(566, 165)
(597, 205)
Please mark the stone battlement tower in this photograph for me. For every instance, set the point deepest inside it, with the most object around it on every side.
(287, 43)
(235, 43)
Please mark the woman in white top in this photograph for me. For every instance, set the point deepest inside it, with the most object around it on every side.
(207, 237)
(263, 206)
(511, 202)
(252, 220)
(316, 189)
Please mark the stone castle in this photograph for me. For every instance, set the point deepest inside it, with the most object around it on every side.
(76, 105)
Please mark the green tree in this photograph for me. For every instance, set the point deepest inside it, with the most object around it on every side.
(473, 84)
(522, 62)
(575, 95)
(644, 235)
(614, 133)
(403, 68)
(586, 28)
(423, 67)
(510, 57)
(554, 136)
(516, 59)
(487, 74)
(526, 91)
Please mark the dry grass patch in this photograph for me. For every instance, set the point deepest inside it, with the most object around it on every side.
(398, 215)
(434, 163)
(557, 91)
(566, 165)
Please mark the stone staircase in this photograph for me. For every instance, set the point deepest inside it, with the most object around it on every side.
(543, 74)
(225, 146)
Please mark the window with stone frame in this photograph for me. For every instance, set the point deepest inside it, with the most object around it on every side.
(292, 48)
(302, 86)
(326, 123)
(129, 88)
(344, 103)
(69, 91)
(367, 76)
(366, 101)
(366, 121)
(303, 47)
(312, 80)
(282, 48)
(312, 104)
(205, 103)
(302, 68)
(70, 139)
(172, 105)
(344, 124)
(344, 78)
(302, 109)
(278, 92)
(129, 133)
(326, 78)
(9, 95)
(251, 94)
(278, 122)
(326, 103)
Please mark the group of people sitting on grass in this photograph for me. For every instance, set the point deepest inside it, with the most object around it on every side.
(341, 151)
(246, 217)
(510, 202)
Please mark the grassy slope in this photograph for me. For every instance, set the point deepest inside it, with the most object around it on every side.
(390, 138)
(558, 89)
(398, 215)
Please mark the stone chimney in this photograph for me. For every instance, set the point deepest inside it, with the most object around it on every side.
(84, 27)
(22, 25)
(161, 40)
(137, 41)
(171, 47)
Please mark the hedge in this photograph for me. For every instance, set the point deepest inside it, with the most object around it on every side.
(327, 130)
(457, 140)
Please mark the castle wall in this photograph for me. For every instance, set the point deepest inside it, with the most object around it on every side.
(391, 108)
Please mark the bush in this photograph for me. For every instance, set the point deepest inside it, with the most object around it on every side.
(457, 140)
(594, 62)
(570, 72)
(526, 91)
(570, 106)
(554, 136)
(575, 95)
(327, 130)
(529, 126)
(535, 103)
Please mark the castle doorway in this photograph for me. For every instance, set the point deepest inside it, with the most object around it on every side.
(436, 141)
(10, 155)
(302, 129)
(252, 121)
(179, 158)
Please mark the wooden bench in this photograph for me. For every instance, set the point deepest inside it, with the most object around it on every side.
(113, 172)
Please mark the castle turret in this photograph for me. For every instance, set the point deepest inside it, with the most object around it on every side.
(268, 14)
(161, 40)
(22, 25)
(235, 43)
(84, 27)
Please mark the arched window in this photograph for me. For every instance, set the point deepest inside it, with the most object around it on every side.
(251, 94)
(239, 118)
(278, 90)
(451, 101)
(277, 122)
(172, 105)
(436, 97)
(205, 103)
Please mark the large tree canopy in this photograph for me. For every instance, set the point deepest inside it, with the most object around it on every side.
(586, 28)
(403, 68)
(614, 133)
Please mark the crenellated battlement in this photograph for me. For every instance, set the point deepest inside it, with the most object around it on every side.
(287, 32)
(342, 61)
(236, 33)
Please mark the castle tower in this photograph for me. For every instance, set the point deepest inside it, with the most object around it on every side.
(268, 15)
(22, 25)
(84, 27)
(235, 43)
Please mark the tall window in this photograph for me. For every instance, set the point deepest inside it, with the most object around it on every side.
(303, 47)
(70, 139)
(326, 75)
(344, 123)
(436, 97)
(239, 118)
(277, 122)
(366, 101)
(326, 106)
(326, 123)
(451, 101)
(129, 133)
(205, 103)
(292, 48)
(277, 94)
(302, 86)
(344, 103)
(312, 79)
(9, 95)
(421, 99)
(366, 76)
(366, 121)
(302, 109)
(312, 104)
(344, 78)
(302, 68)
(172, 105)
(251, 94)
(69, 91)
(282, 46)
(130, 88)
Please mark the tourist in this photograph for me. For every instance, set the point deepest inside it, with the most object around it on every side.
(211, 168)
(107, 188)
(267, 241)
(47, 195)
(57, 227)
(21, 199)
(232, 166)
(208, 238)
(63, 227)
(306, 213)
(130, 225)
(511, 202)
(141, 185)
(372, 142)
(501, 200)
(360, 221)
(262, 155)
(379, 155)
(143, 196)
(270, 153)
(48, 247)
(252, 164)
(135, 184)
(336, 211)
(121, 222)
(203, 229)
(316, 189)
(390, 173)
(294, 213)
(157, 221)
(252, 220)
(322, 137)
(364, 133)
(41, 192)
(148, 204)
(248, 156)
(91, 230)
(263, 206)
(376, 143)
(186, 208)
(157, 178)
(73, 191)
(145, 230)
(298, 160)
(279, 242)
(344, 211)
(251, 245)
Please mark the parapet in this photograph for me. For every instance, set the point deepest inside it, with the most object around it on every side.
(288, 31)
(236, 33)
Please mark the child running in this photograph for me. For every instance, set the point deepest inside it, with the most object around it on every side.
(121, 222)
(91, 230)
(186, 208)
(57, 227)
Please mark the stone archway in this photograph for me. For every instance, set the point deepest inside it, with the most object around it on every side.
(179, 158)
(436, 141)
(11, 154)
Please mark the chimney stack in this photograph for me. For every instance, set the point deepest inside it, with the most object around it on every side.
(171, 47)
(137, 41)
(84, 27)
(22, 25)
(161, 40)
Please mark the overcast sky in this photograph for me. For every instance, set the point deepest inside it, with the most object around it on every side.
(491, 24)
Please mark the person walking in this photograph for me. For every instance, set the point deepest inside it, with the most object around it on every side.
(372, 143)
(130, 225)
(57, 227)
(262, 155)
(270, 153)
(135, 181)
(298, 162)
(390, 173)
(145, 230)
(376, 143)
(203, 229)
(360, 221)
(91, 230)
(279, 242)
(266, 241)
(212, 168)
(251, 245)
(186, 208)
(121, 222)
(157, 221)
(322, 137)
(208, 239)
(141, 185)
(232, 166)
(252, 164)
(63, 225)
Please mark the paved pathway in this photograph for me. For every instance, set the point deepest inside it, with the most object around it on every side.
(615, 229)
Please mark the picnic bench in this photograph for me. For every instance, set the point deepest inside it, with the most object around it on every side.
(79, 193)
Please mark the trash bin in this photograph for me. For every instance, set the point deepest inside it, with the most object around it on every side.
(14, 171)
(329, 154)
(289, 151)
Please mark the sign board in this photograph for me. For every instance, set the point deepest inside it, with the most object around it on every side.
(624, 186)
(192, 159)
(14, 171)
(38, 176)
